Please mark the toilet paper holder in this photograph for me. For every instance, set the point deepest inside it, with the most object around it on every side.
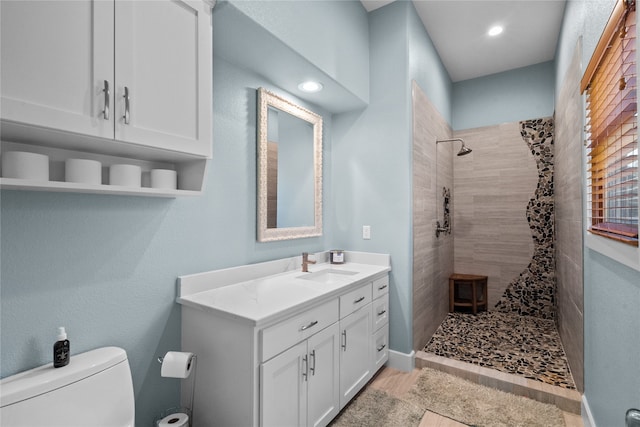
(191, 366)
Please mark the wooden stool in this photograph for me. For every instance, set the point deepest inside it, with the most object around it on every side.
(473, 281)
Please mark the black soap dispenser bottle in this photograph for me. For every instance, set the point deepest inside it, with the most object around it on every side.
(61, 349)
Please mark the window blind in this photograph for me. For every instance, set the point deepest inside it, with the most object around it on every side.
(611, 129)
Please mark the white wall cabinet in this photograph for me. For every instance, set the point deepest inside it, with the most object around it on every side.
(120, 78)
(300, 386)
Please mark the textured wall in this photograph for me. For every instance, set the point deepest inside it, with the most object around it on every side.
(492, 187)
(432, 257)
(568, 187)
(533, 292)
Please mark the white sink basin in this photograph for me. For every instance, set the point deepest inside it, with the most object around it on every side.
(328, 276)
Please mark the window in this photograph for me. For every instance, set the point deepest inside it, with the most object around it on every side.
(611, 129)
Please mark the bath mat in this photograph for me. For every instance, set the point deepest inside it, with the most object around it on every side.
(451, 397)
(477, 405)
(375, 408)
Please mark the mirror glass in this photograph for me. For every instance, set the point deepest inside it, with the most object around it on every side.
(289, 169)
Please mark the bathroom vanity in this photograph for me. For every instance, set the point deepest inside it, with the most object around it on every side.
(276, 346)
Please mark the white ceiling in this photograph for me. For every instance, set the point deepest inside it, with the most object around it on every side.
(458, 29)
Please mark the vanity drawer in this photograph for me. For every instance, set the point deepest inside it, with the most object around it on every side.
(277, 338)
(380, 314)
(354, 300)
(380, 347)
(380, 286)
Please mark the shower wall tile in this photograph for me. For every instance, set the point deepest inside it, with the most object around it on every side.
(569, 227)
(492, 187)
(432, 257)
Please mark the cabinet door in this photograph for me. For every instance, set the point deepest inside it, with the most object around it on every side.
(283, 388)
(323, 396)
(55, 57)
(355, 353)
(163, 62)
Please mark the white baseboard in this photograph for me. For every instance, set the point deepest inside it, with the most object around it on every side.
(587, 417)
(402, 361)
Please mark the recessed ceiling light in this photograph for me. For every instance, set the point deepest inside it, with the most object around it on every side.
(495, 30)
(310, 86)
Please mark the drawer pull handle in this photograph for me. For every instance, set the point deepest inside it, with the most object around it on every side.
(126, 97)
(344, 340)
(313, 365)
(310, 325)
(382, 347)
(382, 312)
(382, 287)
(105, 112)
(359, 300)
(305, 367)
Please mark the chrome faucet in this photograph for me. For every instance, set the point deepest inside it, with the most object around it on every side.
(306, 262)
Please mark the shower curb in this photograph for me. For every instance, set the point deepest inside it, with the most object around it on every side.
(565, 399)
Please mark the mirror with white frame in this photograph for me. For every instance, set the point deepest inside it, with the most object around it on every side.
(289, 169)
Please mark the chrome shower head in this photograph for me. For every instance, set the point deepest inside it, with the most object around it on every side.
(463, 150)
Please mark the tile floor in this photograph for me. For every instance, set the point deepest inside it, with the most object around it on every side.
(525, 346)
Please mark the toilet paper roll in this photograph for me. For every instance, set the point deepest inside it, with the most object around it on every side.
(177, 364)
(174, 420)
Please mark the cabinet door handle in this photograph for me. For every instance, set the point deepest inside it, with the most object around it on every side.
(126, 116)
(382, 312)
(359, 300)
(105, 112)
(344, 340)
(382, 347)
(305, 367)
(382, 287)
(313, 363)
(310, 325)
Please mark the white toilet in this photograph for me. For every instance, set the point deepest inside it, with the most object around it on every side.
(95, 389)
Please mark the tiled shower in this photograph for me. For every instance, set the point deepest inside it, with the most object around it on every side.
(503, 217)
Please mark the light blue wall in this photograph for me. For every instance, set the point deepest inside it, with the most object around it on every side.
(371, 155)
(330, 34)
(611, 290)
(105, 266)
(520, 94)
(426, 68)
(612, 338)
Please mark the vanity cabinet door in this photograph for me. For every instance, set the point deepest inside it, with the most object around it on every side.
(283, 388)
(163, 62)
(323, 396)
(55, 59)
(355, 353)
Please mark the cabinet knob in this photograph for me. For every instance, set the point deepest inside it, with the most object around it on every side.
(382, 347)
(359, 300)
(382, 312)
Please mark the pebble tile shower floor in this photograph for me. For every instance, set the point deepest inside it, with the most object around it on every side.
(520, 345)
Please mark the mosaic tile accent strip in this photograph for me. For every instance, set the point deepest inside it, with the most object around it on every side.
(507, 342)
(533, 292)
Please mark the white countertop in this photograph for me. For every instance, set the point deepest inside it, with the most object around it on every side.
(263, 299)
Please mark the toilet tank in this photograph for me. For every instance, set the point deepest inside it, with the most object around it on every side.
(94, 389)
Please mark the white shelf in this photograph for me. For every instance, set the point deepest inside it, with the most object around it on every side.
(72, 187)
(191, 173)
